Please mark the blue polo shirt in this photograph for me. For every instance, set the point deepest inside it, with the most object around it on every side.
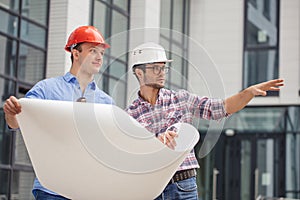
(65, 88)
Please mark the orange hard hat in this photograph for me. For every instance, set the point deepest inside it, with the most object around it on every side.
(85, 34)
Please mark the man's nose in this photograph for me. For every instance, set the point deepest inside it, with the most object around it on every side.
(99, 56)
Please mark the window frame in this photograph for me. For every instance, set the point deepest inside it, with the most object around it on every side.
(256, 48)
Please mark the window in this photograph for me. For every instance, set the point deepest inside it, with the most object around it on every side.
(23, 50)
(111, 17)
(292, 172)
(261, 58)
(174, 23)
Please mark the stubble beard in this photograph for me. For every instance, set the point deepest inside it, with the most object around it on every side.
(154, 85)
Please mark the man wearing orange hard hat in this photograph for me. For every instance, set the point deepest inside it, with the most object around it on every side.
(86, 45)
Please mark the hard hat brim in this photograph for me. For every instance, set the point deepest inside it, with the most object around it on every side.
(105, 46)
(159, 61)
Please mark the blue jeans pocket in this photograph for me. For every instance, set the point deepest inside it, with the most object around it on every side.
(187, 185)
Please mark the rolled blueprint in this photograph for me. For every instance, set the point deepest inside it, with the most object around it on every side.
(97, 151)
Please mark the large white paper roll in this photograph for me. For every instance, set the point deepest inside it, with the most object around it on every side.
(97, 151)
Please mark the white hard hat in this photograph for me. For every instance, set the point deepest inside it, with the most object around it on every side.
(149, 52)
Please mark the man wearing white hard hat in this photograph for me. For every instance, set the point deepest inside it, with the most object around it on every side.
(158, 108)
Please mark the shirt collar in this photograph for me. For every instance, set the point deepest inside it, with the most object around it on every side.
(71, 78)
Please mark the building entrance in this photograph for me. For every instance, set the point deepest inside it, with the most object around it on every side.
(248, 166)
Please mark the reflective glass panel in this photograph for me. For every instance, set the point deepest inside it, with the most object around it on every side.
(205, 173)
(293, 119)
(117, 69)
(256, 119)
(122, 4)
(176, 69)
(7, 56)
(31, 64)
(35, 10)
(22, 185)
(292, 173)
(259, 66)
(173, 20)
(118, 38)
(265, 167)
(165, 22)
(100, 17)
(5, 141)
(165, 14)
(117, 89)
(262, 23)
(10, 4)
(261, 42)
(107, 1)
(245, 170)
(253, 2)
(7, 88)
(113, 23)
(21, 154)
(178, 15)
(257, 36)
(8, 23)
(33, 34)
(4, 180)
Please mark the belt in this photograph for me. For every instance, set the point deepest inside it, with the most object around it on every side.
(182, 175)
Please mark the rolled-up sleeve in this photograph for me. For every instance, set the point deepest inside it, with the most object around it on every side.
(217, 109)
(204, 107)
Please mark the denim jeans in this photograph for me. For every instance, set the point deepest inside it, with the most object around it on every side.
(185, 189)
(41, 195)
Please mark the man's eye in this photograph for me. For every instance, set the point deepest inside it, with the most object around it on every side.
(157, 67)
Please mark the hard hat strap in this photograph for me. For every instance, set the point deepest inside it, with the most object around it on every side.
(72, 46)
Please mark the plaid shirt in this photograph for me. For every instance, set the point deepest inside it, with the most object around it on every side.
(172, 107)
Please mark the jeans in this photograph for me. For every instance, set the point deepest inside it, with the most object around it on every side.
(185, 189)
(41, 195)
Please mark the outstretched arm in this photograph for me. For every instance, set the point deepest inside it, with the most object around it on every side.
(240, 100)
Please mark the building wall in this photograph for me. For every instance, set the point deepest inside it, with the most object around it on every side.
(65, 16)
(216, 32)
(217, 28)
(216, 44)
(290, 51)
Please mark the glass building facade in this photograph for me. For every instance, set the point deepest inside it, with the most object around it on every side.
(261, 42)
(257, 152)
(174, 24)
(112, 18)
(23, 50)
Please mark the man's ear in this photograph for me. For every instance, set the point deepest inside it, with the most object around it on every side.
(75, 53)
(139, 72)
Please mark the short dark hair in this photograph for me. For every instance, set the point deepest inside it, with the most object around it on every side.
(139, 66)
(77, 47)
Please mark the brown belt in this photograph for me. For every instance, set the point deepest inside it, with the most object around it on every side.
(182, 175)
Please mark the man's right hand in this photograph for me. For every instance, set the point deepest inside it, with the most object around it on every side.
(11, 108)
(168, 138)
